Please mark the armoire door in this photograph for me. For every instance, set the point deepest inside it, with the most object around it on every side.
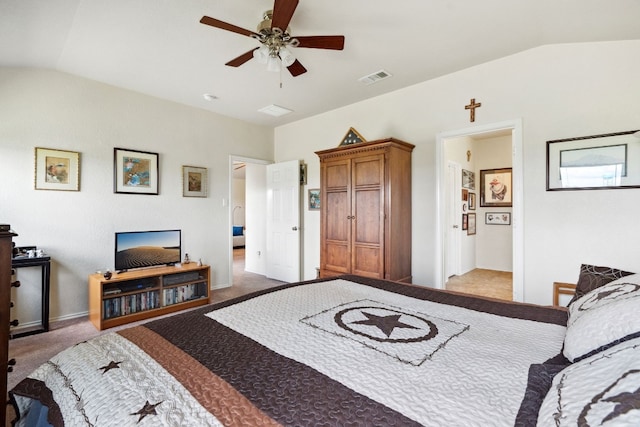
(367, 216)
(336, 209)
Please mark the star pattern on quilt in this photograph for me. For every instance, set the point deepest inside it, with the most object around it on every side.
(147, 409)
(385, 323)
(625, 402)
(112, 365)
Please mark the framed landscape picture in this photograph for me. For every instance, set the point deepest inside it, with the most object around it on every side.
(135, 172)
(314, 199)
(57, 170)
(194, 181)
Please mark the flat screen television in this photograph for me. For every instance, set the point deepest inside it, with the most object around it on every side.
(139, 249)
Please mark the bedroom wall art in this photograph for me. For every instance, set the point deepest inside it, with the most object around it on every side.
(314, 199)
(135, 172)
(194, 181)
(57, 169)
(471, 224)
(497, 218)
(468, 179)
(596, 162)
(496, 187)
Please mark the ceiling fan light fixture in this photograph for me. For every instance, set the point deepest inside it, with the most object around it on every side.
(262, 54)
(286, 57)
(273, 64)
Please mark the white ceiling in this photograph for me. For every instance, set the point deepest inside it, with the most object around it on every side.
(159, 48)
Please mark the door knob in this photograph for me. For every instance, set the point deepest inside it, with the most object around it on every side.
(294, 228)
(455, 226)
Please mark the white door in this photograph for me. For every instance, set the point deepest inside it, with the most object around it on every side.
(452, 231)
(283, 221)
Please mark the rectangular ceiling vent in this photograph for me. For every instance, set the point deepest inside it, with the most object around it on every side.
(374, 77)
(275, 110)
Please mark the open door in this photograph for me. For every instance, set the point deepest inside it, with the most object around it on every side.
(283, 221)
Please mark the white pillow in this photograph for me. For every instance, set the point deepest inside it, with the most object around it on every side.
(601, 390)
(603, 316)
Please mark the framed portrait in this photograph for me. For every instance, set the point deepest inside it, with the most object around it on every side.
(472, 201)
(496, 187)
(314, 199)
(471, 226)
(194, 181)
(596, 162)
(57, 169)
(465, 194)
(135, 172)
(497, 218)
(465, 221)
(468, 179)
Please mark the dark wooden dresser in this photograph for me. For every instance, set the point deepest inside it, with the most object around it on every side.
(6, 250)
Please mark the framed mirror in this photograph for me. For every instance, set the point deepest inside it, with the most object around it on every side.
(596, 162)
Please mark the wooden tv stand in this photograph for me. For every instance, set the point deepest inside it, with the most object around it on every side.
(136, 295)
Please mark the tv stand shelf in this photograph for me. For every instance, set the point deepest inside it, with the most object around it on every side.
(141, 294)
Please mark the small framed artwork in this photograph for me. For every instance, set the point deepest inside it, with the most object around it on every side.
(314, 199)
(57, 170)
(465, 223)
(472, 201)
(497, 218)
(135, 172)
(468, 179)
(496, 188)
(465, 194)
(194, 181)
(471, 219)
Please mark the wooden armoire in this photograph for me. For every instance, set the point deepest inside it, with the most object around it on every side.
(365, 210)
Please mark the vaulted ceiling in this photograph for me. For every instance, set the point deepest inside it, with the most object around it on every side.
(159, 48)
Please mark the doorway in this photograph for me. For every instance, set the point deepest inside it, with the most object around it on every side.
(444, 226)
(246, 194)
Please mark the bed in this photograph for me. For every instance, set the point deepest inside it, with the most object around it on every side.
(351, 351)
(238, 232)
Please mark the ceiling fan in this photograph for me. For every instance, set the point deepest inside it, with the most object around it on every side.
(273, 34)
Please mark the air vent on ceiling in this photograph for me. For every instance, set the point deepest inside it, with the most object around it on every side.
(374, 77)
(275, 110)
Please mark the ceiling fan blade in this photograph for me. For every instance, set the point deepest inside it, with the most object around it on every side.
(207, 20)
(282, 13)
(241, 59)
(322, 42)
(296, 68)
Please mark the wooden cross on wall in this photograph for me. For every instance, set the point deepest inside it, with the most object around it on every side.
(472, 106)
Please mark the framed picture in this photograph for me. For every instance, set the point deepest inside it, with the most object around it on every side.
(497, 218)
(465, 194)
(194, 181)
(314, 199)
(596, 162)
(135, 172)
(471, 219)
(496, 188)
(465, 223)
(57, 170)
(472, 201)
(468, 179)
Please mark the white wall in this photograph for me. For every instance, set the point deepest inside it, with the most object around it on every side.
(494, 248)
(40, 108)
(238, 203)
(256, 235)
(559, 91)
